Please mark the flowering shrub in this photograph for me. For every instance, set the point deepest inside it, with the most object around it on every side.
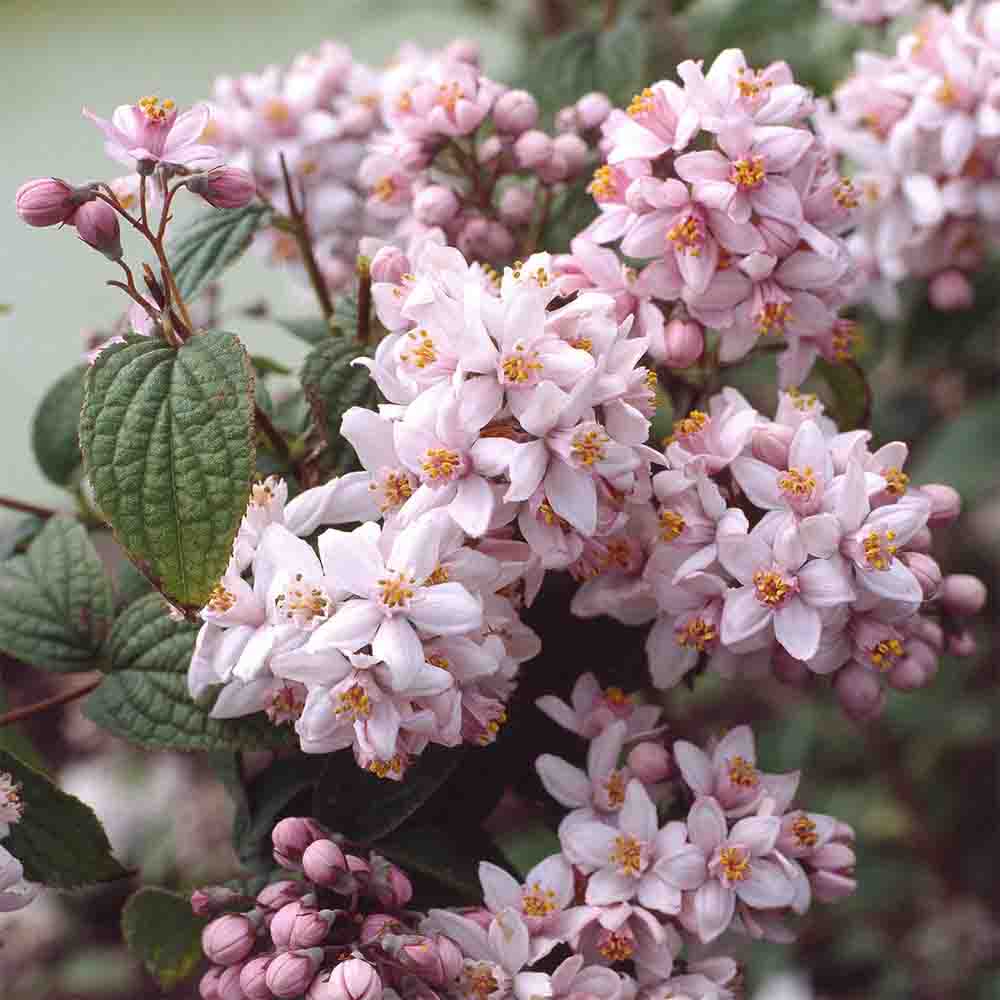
(491, 414)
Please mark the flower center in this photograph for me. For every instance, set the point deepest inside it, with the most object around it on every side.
(395, 487)
(583, 344)
(748, 174)
(540, 276)
(286, 705)
(735, 864)
(617, 698)
(846, 336)
(396, 590)
(618, 553)
(588, 447)
(615, 787)
(385, 768)
(10, 798)
(896, 481)
(627, 855)
(802, 401)
(798, 483)
(221, 600)
(354, 703)
(879, 550)
(549, 516)
(886, 654)
(538, 902)
(423, 353)
(276, 111)
(301, 603)
(773, 318)
(671, 525)
(695, 421)
(642, 104)
(845, 194)
(440, 575)
(384, 188)
(154, 109)
(603, 186)
(439, 661)
(480, 980)
(449, 94)
(520, 366)
(687, 236)
(742, 773)
(750, 85)
(616, 946)
(440, 464)
(804, 831)
(772, 588)
(697, 633)
(261, 493)
(946, 93)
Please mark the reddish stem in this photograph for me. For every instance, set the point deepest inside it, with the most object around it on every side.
(17, 714)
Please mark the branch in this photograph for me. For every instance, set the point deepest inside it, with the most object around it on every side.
(272, 433)
(364, 300)
(17, 714)
(27, 508)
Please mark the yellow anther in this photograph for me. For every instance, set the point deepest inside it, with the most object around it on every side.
(772, 588)
(748, 174)
(696, 633)
(672, 525)
(588, 447)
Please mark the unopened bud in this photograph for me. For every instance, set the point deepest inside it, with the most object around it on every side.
(225, 187)
(517, 205)
(292, 836)
(353, 979)
(515, 112)
(963, 644)
(464, 50)
(489, 149)
(253, 978)
(436, 205)
(770, 443)
(859, 692)
(229, 984)
(485, 239)
(215, 899)
(963, 595)
(376, 926)
(950, 291)
(831, 887)
(420, 956)
(358, 866)
(684, 343)
(573, 153)
(208, 987)
(922, 541)
(389, 264)
(926, 570)
(592, 109)
(291, 973)
(533, 149)
(650, 762)
(97, 225)
(788, 670)
(46, 201)
(324, 863)
(228, 939)
(392, 887)
(946, 503)
(452, 959)
(285, 922)
(566, 120)
(278, 894)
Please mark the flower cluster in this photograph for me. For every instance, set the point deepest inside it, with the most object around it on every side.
(15, 892)
(722, 187)
(463, 155)
(877, 12)
(921, 128)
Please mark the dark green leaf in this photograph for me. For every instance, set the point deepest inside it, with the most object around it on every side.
(313, 330)
(59, 840)
(526, 846)
(145, 699)
(130, 584)
(332, 385)
(54, 432)
(264, 365)
(168, 446)
(852, 398)
(366, 808)
(160, 928)
(572, 209)
(445, 859)
(210, 244)
(14, 741)
(55, 601)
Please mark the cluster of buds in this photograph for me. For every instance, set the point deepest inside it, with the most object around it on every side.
(336, 928)
(921, 129)
(720, 185)
(15, 891)
(873, 12)
(464, 156)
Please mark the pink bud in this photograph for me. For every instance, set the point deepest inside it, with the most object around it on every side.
(829, 887)
(650, 762)
(515, 112)
(290, 973)
(922, 541)
(481, 916)
(253, 978)
(566, 120)
(463, 50)
(225, 187)
(436, 205)
(770, 443)
(358, 866)
(229, 984)
(928, 632)
(228, 939)
(963, 644)
(489, 149)
(946, 504)
(392, 887)
(484, 239)
(214, 899)
(324, 863)
(45, 201)
(376, 925)
(684, 341)
(208, 988)
(352, 979)
(278, 894)
(420, 956)
(291, 837)
(517, 205)
(533, 149)
(859, 693)
(414, 155)
(573, 151)
(908, 675)
(452, 959)
(963, 595)
(283, 923)
(592, 109)
(950, 291)
(926, 570)
(788, 670)
(389, 264)
(97, 224)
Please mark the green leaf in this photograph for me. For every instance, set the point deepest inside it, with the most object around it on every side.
(446, 859)
(14, 741)
(962, 453)
(366, 808)
(571, 210)
(526, 846)
(313, 330)
(130, 584)
(332, 385)
(168, 445)
(852, 397)
(145, 699)
(58, 839)
(55, 601)
(161, 930)
(213, 242)
(263, 366)
(54, 434)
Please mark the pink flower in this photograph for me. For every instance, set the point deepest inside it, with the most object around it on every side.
(568, 980)
(593, 709)
(659, 119)
(151, 132)
(15, 892)
(11, 804)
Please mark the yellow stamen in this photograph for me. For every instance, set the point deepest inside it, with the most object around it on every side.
(748, 174)
(221, 599)
(396, 590)
(440, 463)
(896, 481)
(353, 702)
(879, 550)
(671, 525)
(423, 354)
(588, 447)
(798, 482)
(615, 787)
(735, 864)
(772, 588)
(742, 772)
(521, 365)
(642, 104)
(886, 654)
(617, 947)
(804, 831)
(696, 633)
(773, 318)
(691, 424)
(603, 186)
(687, 236)
(538, 902)
(627, 854)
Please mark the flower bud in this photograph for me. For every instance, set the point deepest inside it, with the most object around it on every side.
(353, 979)
(515, 112)
(389, 264)
(376, 926)
(291, 837)
(291, 973)
(859, 692)
(229, 984)
(392, 887)
(45, 201)
(963, 644)
(215, 899)
(489, 149)
(97, 225)
(420, 956)
(788, 670)
(909, 674)
(533, 149)
(278, 894)
(517, 205)
(324, 863)
(770, 442)
(831, 887)
(963, 595)
(414, 155)
(684, 342)
(650, 762)
(571, 152)
(946, 503)
(225, 187)
(253, 978)
(926, 570)
(228, 939)
(358, 866)
(436, 205)
(452, 959)
(922, 541)
(464, 50)
(929, 633)
(950, 291)
(592, 109)
(208, 987)
(566, 120)
(484, 239)
(284, 922)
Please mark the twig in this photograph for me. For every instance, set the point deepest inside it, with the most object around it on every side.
(610, 14)
(302, 237)
(17, 714)
(272, 433)
(364, 300)
(27, 508)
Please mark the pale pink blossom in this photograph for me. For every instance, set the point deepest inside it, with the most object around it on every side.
(594, 708)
